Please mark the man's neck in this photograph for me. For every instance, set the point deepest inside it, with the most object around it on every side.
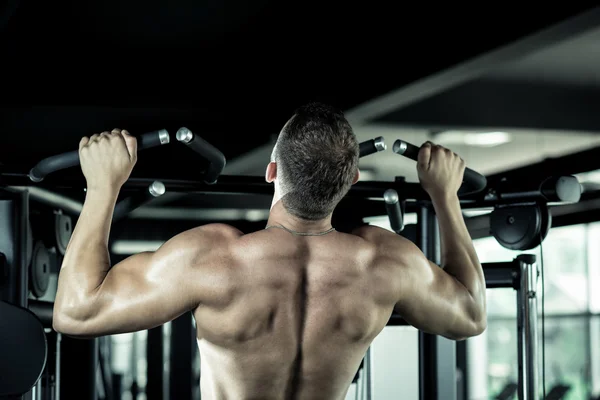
(279, 216)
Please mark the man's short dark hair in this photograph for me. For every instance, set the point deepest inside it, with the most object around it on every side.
(317, 159)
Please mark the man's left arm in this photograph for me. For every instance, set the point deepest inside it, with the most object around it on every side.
(141, 292)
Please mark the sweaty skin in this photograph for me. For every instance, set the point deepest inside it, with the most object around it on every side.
(278, 316)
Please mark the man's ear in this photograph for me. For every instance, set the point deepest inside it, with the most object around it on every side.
(271, 173)
(356, 177)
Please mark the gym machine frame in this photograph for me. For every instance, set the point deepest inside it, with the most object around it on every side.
(437, 354)
(522, 275)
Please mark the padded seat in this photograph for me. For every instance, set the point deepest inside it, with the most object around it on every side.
(23, 350)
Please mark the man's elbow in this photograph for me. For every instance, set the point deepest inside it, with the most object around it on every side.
(65, 325)
(472, 329)
(68, 326)
(475, 322)
(481, 327)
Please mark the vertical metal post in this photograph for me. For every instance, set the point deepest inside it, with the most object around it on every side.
(23, 246)
(155, 384)
(14, 244)
(181, 357)
(36, 391)
(57, 376)
(134, 388)
(368, 377)
(79, 362)
(462, 390)
(527, 328)
(437, 355)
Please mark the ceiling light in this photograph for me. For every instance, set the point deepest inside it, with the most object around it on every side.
(475, 139)
(487, 139)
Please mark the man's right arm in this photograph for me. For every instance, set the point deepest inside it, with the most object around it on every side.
(448, 301)
(459, 258)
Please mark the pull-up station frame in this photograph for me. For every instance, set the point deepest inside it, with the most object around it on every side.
(437, 354)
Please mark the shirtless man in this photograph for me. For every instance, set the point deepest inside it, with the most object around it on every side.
(287, 312)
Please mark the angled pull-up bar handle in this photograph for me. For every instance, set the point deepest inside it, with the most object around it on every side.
(372, 146)
(129, 204)
(71, 159)
(206, 150)
(473, 181)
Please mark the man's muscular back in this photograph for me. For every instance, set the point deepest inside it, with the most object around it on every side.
(295, 315)
(278, 316)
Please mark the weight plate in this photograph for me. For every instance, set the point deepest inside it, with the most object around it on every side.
(516, 228)
(40, 269)
(63, 228)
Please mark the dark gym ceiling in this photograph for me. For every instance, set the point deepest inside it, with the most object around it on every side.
(233, 71)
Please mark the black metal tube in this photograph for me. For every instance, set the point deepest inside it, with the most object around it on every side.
(22, 245)
(437, 355)
(226, 184)
(125, 206)
(501, 275)
(372, 146)
(79, 362)
(155, 385)
(43, 310)
(427, 369)
(233, 184)
(71, 159)
(554, 189)
(183, 342)
(564, 189)
(206, 150)
(117, 389)
(397, 320)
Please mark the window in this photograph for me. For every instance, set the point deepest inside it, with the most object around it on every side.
(571, 261)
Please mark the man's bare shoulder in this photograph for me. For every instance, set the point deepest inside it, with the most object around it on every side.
(376, 233)
(217, 230)
(204, 238)
(387, 242)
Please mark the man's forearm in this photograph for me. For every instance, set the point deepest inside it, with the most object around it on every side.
(458, 254)
(86, 260)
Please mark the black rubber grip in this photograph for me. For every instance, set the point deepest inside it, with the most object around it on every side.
(566, 189)
(367, 148)
(71, 159)
(371, 146)
(473, 182)
(206, 150)
(129, 204)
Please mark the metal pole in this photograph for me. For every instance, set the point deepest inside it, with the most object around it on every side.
(437, 355)
(527, 328)
(155, 360)
(183, 340)
(368, 377)
(57, 377)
